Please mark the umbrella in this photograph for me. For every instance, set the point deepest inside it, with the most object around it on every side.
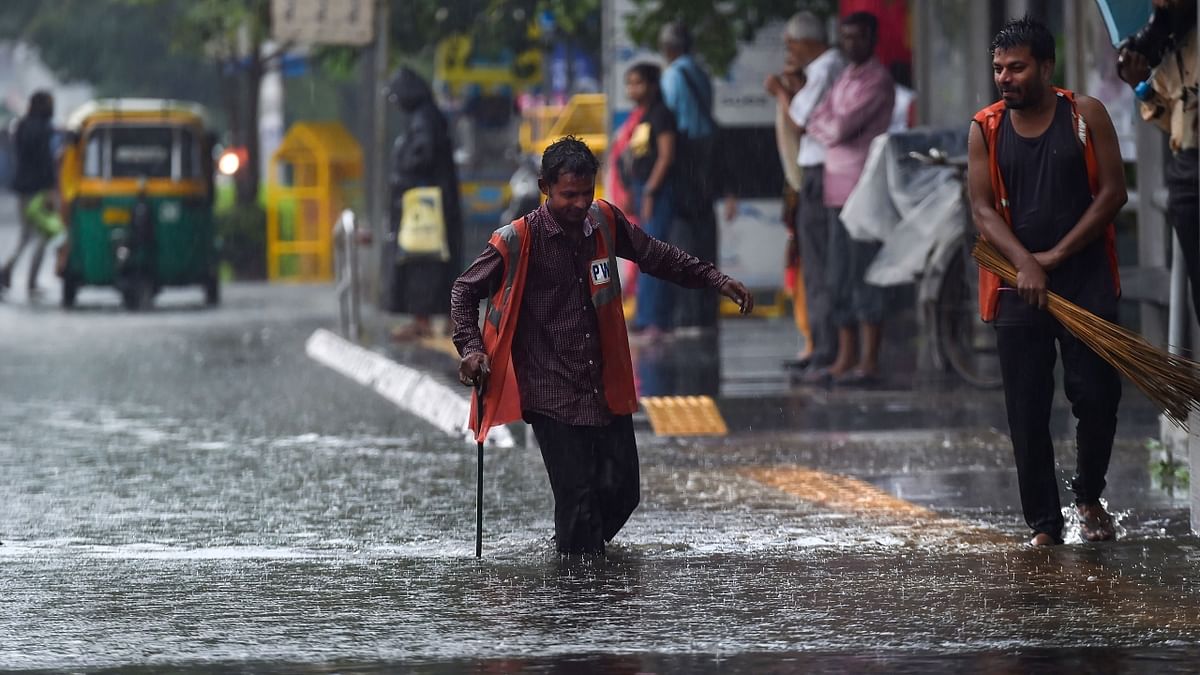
(1123, 18)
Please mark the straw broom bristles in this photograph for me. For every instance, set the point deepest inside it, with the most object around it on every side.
(1170, 381)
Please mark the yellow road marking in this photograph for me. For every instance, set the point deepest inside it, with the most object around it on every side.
(846, 495)
(837, 493)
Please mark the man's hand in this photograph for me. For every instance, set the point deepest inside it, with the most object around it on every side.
(773, 84)
(1132, 67)
(736, 291)
(474, 369)
(1031, 282)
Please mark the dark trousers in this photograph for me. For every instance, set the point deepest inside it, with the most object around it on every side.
(1027, 357)
(812, 229)
(695, 231)
(594, 477)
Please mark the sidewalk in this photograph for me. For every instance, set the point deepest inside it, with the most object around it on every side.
(742, 368)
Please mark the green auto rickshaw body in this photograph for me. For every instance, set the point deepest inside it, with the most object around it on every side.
(137, 188)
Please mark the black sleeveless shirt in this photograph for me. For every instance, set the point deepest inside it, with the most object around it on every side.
(1048, 191)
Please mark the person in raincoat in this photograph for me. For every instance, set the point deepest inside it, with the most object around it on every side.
(423, 243)
(34, 182)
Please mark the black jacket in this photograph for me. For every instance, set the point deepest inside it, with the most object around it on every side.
(34, 161)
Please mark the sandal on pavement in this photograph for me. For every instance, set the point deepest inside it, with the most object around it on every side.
(857, 378)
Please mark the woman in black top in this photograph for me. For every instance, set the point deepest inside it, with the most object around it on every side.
(647, 164)
(422, 157)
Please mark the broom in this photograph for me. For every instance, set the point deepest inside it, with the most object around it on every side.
(1170, 381)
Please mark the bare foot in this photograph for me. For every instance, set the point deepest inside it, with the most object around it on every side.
(1042, 539)
(1095, 523)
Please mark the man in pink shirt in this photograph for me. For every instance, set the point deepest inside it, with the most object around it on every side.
(857, 109)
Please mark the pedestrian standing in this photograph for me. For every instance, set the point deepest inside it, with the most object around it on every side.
(857, 109)
(1046, 180)
(424, 241)
(648, 160)
(808, 44)
(687, 91)
(34, 177)
(554, 349)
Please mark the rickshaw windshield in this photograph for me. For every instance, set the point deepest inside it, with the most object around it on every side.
(141, 151)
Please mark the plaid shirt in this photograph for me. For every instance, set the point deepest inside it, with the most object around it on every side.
(556, 349)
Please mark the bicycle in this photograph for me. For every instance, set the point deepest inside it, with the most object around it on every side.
(962, 342)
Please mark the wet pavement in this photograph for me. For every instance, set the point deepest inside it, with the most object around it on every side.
(184, 490)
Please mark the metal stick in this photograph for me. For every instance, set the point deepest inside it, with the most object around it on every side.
(479, 475)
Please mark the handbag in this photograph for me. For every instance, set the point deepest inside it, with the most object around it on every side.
(41, 213)
(423, 225)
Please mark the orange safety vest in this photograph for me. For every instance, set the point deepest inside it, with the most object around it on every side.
(989, 120)
(502, 401)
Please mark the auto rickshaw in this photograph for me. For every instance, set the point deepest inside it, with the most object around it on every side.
(137, 186)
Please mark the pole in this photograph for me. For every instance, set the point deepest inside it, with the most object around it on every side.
(378, 173)
(479, 475)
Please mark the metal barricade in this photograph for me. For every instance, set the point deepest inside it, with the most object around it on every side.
(345, 237)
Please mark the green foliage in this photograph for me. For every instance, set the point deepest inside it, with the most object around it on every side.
(494, 26)
(211, 26)
(117, 46)
(716, 27)
(1166, 472)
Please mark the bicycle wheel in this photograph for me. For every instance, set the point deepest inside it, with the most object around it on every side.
(964, 341)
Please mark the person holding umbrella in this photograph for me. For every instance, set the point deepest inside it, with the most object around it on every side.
(554, 348)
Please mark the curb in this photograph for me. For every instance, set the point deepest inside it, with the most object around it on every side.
(409, 389)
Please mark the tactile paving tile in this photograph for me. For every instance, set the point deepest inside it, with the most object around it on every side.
(684, 416)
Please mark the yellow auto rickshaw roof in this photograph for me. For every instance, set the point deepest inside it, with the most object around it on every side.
(137, 110)
(324, 142)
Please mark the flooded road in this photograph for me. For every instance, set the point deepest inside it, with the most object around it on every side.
(185, 490)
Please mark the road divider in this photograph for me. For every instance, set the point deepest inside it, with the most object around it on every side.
(410, 389)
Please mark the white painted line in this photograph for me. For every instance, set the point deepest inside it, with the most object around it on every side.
(408, 388)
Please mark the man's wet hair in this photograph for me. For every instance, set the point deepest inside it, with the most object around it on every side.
(568, 155)
(866, 21)
(1026, 32)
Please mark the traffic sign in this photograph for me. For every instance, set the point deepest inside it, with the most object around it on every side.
(328, 22)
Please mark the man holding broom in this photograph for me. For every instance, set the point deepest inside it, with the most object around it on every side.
(1046, 180)
(554, 348)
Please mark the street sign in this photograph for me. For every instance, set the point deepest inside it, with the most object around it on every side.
(327, 22)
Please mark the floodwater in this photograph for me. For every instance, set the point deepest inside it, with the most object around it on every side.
(185, 491)
(134, 538)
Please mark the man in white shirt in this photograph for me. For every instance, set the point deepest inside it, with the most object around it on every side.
(808, 44)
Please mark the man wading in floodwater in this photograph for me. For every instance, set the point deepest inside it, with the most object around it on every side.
(554, 349)
(1046, 181)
